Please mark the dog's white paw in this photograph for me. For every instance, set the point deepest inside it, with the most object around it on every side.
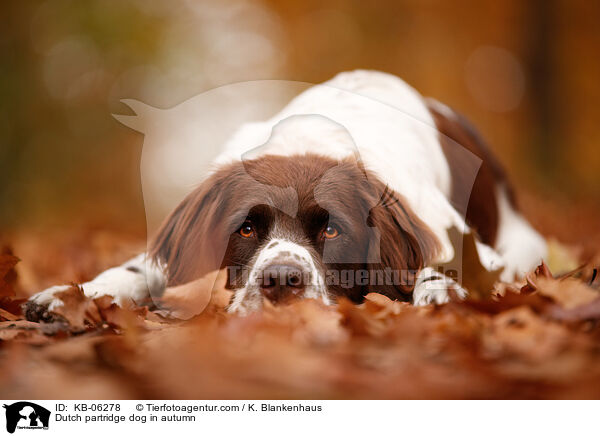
(40, 307)
(434, 287)
(137, 281)
(48, 297)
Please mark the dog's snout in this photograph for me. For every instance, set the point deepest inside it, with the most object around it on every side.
(283, 281)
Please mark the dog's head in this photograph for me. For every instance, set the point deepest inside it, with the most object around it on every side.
(297, 226)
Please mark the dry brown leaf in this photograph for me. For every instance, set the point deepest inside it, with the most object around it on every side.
(585, 312)
(6, 315)
(119, 318)
(318, 324)
(358, 321)
(77, 309)
(521, 332)
(569, 293)
(542, 270)
(21, 329)
(8, 275)
(382, 305)
(191, 299)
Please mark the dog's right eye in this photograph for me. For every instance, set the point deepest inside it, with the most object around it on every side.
(247, 231)
(331, 232)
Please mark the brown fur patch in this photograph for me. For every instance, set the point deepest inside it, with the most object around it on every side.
(480, 208)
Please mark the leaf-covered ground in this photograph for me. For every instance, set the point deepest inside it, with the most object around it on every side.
(535, 339)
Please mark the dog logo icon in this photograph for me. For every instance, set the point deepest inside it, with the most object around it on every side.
(26, 415)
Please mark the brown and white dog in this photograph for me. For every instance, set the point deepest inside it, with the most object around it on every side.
(350, 189)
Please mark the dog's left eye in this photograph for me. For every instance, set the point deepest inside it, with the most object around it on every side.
(247, 231)
(331, 232)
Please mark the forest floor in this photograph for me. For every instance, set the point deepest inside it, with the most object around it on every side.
(539, 338)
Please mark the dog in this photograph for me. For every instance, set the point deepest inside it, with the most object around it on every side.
(352, 188)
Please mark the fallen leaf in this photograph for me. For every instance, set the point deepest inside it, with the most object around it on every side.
(561, 258)
(8, 275)
(77, 309)
(542, 270)
(584, 312)
(569, 292)
(191, 299)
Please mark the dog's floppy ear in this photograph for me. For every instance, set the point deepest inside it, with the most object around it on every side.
(192, 240)
(406, 244)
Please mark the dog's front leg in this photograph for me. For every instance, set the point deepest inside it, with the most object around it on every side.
(136, 281)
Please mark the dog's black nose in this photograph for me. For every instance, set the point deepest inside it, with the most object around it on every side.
(282, 281)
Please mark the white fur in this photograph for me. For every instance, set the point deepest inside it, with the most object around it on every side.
(127, 286)
(433, 287)
(517, 243)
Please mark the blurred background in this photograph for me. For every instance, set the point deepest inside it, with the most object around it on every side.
(527, 73)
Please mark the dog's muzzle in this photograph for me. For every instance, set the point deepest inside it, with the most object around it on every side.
(280, 282)
(283, 271)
